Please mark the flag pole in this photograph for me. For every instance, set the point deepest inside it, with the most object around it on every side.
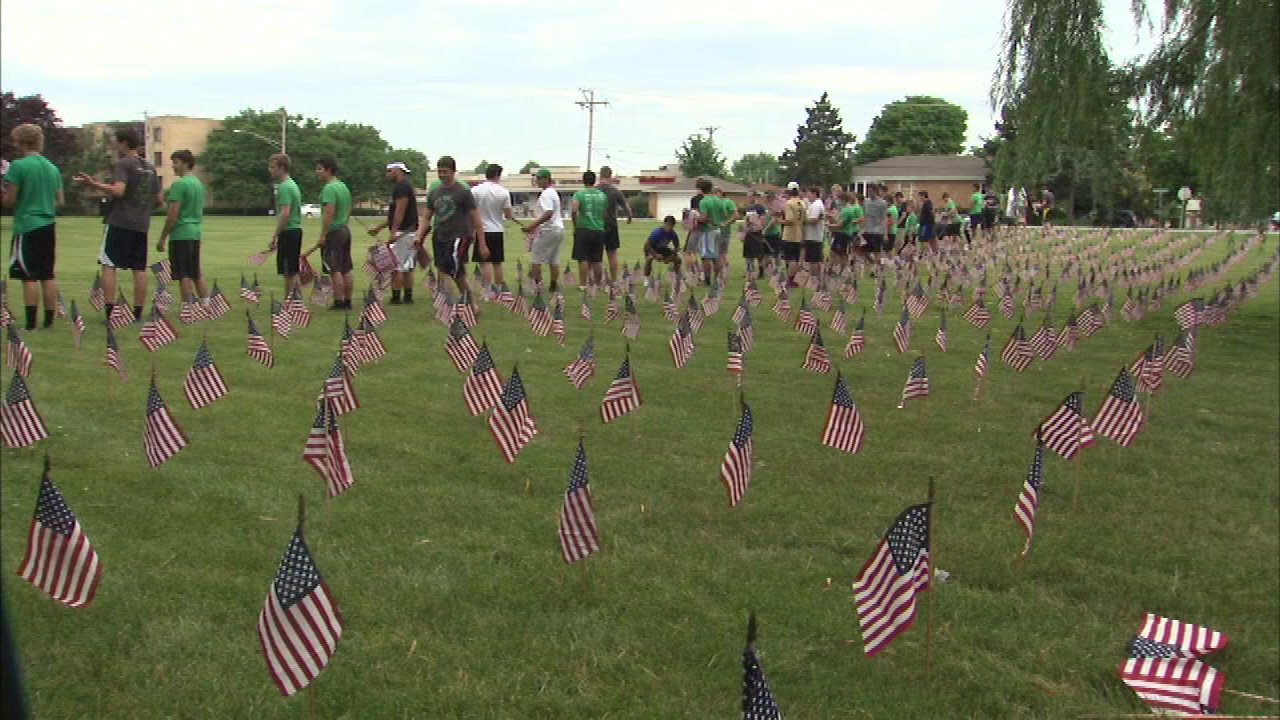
(1075, 463)
(302, 518)
(933, 564)
(1250, 696)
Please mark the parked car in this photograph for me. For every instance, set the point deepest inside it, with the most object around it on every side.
(310, 210)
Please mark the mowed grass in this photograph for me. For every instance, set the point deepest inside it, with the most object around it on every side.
(447, 570)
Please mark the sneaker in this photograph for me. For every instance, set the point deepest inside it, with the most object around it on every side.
(396, 301)
(407, 301)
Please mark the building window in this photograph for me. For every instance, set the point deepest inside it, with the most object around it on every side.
(159, 159)
(155, 134)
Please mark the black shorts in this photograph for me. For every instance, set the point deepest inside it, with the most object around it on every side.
(288, 247)
(451, 255)
(772, 245)
(812, 251)
(184, 259)
(497, 251)
(975, 219)
(611, 241)
(791, 251)
(840, 242)
(336, 255)
(926, 232)
(874, 242)
(952, 230)
(32, 254)
(753, 245)
(988, 218)
(662, 254)
(123, 248)
(588, 245)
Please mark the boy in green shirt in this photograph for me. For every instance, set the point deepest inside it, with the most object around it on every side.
(335, 237)
(588, 230)
(976, 201)
(182, 225)
(712, 213)
(891, 237)
(911, 227)
(34, 190)
(845, 229)
(287, 240)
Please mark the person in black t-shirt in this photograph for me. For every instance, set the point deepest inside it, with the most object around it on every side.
(402, 219)
(927, 221)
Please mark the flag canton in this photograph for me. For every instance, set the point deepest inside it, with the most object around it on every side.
(624, 371)
(1140, 647)
(558, 313)
(1036, 474)
(757, 698)
(905, 319)
(17, 391)
(1075, 403)
(735, 342)
(917, 369)
(52, 511)
(862, 322)
(337, 370)
(458, 329)
(154, 403)
(841, 396)
(13, 335)
(321, 407)
(111, 339)
(483, 362)
(297, 575)
(277, 308)
(513, 393)
(588, 350)
(253, 329)
(203, 358)
(578, 475)
(1123, 388)
(365, 326)
(943, 324)
(908, 537)
(817, 338)
(742, 435)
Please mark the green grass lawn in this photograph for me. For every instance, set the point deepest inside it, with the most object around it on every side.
(448, 573)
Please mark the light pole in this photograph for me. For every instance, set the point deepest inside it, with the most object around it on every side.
(263, 138)
(284, 124)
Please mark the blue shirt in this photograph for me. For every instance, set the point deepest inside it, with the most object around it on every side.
(660, 236)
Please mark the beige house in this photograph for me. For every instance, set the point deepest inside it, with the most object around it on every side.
(935, 174)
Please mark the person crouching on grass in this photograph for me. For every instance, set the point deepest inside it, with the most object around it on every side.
(335, 235)
(661, 246)
(182, 225)
(33, 190)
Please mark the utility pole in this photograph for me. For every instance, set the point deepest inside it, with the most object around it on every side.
(711, 133)
(590, 102)
(284, 124)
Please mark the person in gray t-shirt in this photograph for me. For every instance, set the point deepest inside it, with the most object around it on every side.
(614, 199)
(874, 214)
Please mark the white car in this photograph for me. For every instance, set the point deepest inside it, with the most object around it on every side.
(310, 210)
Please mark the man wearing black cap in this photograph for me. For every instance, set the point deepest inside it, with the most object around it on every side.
(402, 219)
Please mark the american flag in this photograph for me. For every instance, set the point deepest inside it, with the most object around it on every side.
(510, 423)
(162, 298)
(250, 294)
(1189, 313)
(622, 396)
(885, 590)
(735, 471)
(1181, 359)
(940, 338)
(583, 366)
(59, 560)
(584, 309)
(1148, 367)
(369, 347)
(757, 699)
(506, 298)
(300, 624)
(373, 311)
(739, 310)
(1091, 320)
(857, 340)
(163, 438)
(917, 302)
(1182, 685)
(816, 358)
(1017, 352)
(752, 293)
(1006, 305)
(347, 348)
(734, 364)
(1161, 637)
(711, 303)
(681, 343)
(668, 307)
(977, 314)
(844, 429)
(782, 308)
(539, 318)
(879, 301)
(483, 387)
(325, 450)
(1029, 499)
(806, 322)
(279, 318)
(257, 348)
(121, 314)
(77, 324)
(97, 299)
(299, 314)
(112, 358)
(694, 312)
(1066, 431)
(578, 535)
(461, 346)
(156, 332)
(980, 367)
(902, 332)
(17, 354)
(258, 258)
(1069, 335)
(1131, 310)
(22, 424)
(190, 312)
(840, 318)
(822, 298)
(631, 326)
(611, 310)
(1045, 341)
(443, 304)
(557, 323)
(338, 388)
(60, 306)
(917, 382)
(1120, 417)
(747, 332)
(162, 272)
(218, 305)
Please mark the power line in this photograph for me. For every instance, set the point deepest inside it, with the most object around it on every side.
(711, 133)
(590, 102)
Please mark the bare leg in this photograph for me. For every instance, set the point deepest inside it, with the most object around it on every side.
(497, 273)
(139, 287)
(613, 266)
(108, 285)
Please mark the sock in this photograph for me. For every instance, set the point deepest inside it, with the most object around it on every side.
(408, 294)
(553, 286)
(31, 317)
(48, 318)
(395, 295)
(110, 307)
(137, 311)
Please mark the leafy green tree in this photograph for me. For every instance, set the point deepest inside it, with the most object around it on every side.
(481, 167)
(529, 166)
(823, 151)
(60, 144)
(752, 168)
(918, 125)
(699, 156)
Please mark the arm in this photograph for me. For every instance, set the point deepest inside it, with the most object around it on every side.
(477, 226)
(170, 220)
(627, 206)
(113, 189)
(533, 226)
(326, 218)
(424, 225)
(11, 194)
(60, 199)
(397, 217)
(282, 219)
(573, 212)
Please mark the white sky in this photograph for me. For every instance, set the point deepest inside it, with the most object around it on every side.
(496, 80)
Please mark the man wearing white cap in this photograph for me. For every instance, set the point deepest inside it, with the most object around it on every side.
(402, 219)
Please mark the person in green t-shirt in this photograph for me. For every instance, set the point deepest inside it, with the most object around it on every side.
(33, 190)
(335, 235)
(287, 238)
(911, 227)
(726, 230)
(893, 232)
(712, 213)
(587, 210)
(182, 226)
(976, 201)
(845, 228)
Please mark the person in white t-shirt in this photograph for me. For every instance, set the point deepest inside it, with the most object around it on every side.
(814, 225)
(494, 203)
(544, 236)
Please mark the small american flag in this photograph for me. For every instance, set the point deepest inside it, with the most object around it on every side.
(461, 346)
(694, 312)
(857, 338)
(1148, 367)
(879, 301)
(279, 319)
(711, 303)
(1066, 431)
(510, 423)
(917, 302)
(782, 308)
(984, 357)
(734, 364)
(806, 322)
(250, 294)
(373, 311)
(1181, 359)
(483, 387)
(902, 332)
(578, 534)
(518, 305)
(1120, 417)
(844, 429)
(681, 343)
(584, 309)
(668, 307)
(60, 307)
(816, 358)
(162, 272)
(735, 471)
(112, 358)
(940, 338)
(17, 354)
(622, 396)
(121, 314)
(97, 299)
(443, 304)
(977, 314)
(1017, 352)
(1006, 305)
(299, 625)
(840, 318)
(1161, 637)
(338, 388)
(752, 293)
(583, 366)
(190, 312)
(257, 348)
(258, 258)
(77, 324)
(611, 310)
(299, 314)
(1182, 685)
(739, 310)
(557, 323)
(885, 590)
(757, 698)
(325, 451)
(1045, 341)
(218, 305)
(539, 317)
(347, 348)
(369, 347)
(1024, 512)
(163, 298)
(1069, 335)
(917, 383)
(156, 332)
(162, 438)
(747, 332)
(1091, 320)
(1189, 313)
(60, 560)
(21, 424)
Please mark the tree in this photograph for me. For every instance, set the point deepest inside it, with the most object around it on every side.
(754, 168)
(60, 144)
(699, 156)
(529, 167)
(823, 151)
(418, 162)
(918, 125)
(484, 165)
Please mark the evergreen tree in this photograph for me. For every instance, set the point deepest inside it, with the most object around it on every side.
(823, 152)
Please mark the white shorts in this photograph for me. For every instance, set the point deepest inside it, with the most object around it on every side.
(546, 246)
(404, 251)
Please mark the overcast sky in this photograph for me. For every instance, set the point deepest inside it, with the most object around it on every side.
(497, 80)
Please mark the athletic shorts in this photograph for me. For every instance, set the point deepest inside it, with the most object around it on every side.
(753, 245)
(772, 245)
(288, 247)
(953, 230)
(451, 255)
(662, 254)
(497, 252)
(335, 256)
(926, 232)
(611, 241)
(988, 218)
(706, 243)
(546, 245)
(32, 254)
(812, 251)
(589, 244)
(975, 219)
(722, 242)
(404, 250)
(791, 251)
(874, 242)
(123, 248)
(840, 242)
(184, 259)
